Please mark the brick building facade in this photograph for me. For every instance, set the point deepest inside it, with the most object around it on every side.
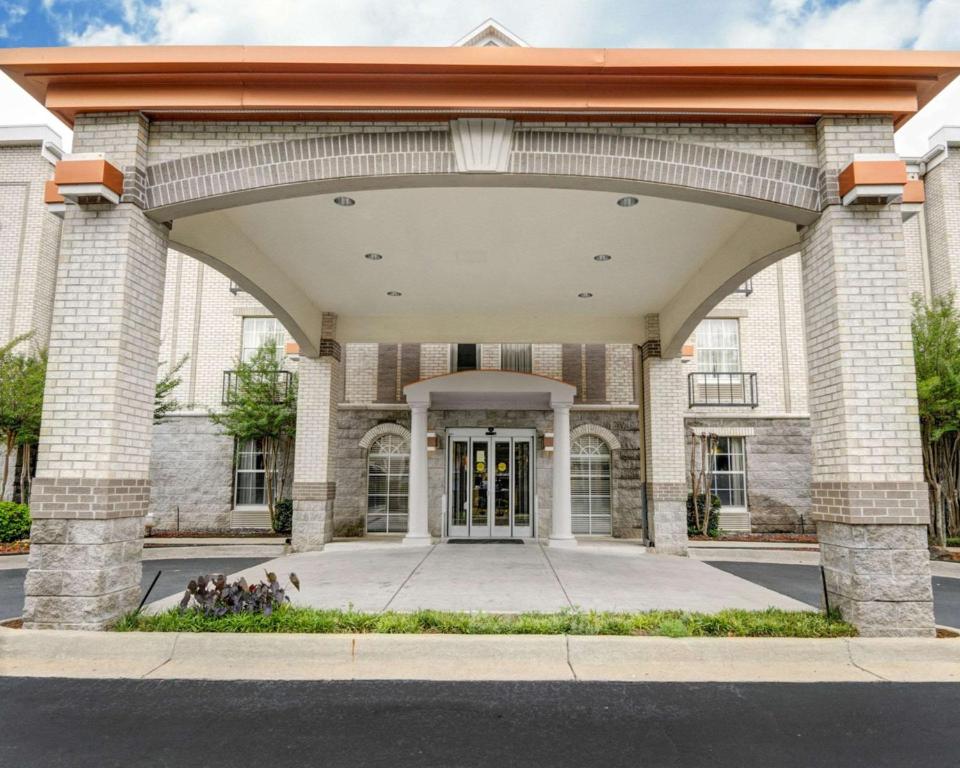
(491, 379)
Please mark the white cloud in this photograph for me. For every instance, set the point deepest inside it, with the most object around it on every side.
(928, 24)
(816, 24)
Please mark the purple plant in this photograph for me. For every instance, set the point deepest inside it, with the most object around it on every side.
(214, 596)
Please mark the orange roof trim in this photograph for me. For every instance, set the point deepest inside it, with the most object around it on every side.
(218, 82)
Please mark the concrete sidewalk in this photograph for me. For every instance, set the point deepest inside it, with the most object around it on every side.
(510, 578)
(25, 653)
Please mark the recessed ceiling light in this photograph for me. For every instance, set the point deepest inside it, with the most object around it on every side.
(627, 202)
(602, 257)
(372, 256)
(344, 201)
(394, 293)
(585, 295)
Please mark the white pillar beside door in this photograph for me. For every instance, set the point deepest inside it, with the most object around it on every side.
(561, 523)
(418, 530)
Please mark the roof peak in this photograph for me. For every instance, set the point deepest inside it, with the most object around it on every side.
(491, 33)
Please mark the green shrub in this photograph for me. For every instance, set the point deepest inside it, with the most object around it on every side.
(713, 527)
(14, 522)
(282, 519)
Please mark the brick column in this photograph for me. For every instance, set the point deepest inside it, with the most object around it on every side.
(92, 485)
(664, 456)
(869, 498)
(314, 478)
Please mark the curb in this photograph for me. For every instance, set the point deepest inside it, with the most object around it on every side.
(200, 656)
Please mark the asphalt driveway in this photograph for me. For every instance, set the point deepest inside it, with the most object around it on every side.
(173, 579)
(802, 582)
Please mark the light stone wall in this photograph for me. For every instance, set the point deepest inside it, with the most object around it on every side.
(191, 473)
(869, 499)
(171, 140)
(29, 245)
(770, 322)
(29, 256)
(942, 213)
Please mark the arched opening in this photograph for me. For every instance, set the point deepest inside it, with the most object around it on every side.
(388, 484)
(591, 485)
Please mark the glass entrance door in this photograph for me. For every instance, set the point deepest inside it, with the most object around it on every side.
(490, 488)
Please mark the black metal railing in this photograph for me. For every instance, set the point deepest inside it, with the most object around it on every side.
(234, 288)
(279, 381)
(715, 388)
(746, 288)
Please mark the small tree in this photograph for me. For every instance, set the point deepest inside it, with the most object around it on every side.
(262, 406)
(22, 378)
(164, 402)
(702, 448)
(936, 350)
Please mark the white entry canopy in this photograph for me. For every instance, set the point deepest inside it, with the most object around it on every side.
(490, 389)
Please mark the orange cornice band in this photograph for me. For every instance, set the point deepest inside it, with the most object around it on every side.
(872, 173)
(89, 172)
(50, 193)
(913, 192)
(220, 82)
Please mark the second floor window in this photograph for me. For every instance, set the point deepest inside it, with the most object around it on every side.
(258, 331)
(718, 346)
(516, 357)
(466, 357)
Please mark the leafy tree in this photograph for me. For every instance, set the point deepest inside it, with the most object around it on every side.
(22, 378)
(262, 406)
(163, 401)
(936, 350)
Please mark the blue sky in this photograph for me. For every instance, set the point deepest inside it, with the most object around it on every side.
(922, 24)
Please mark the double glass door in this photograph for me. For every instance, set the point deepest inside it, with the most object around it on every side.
(490, 491)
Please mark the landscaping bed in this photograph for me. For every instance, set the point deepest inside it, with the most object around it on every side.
(233, 533)
(780, 538)
(729, 623)
(21, 547)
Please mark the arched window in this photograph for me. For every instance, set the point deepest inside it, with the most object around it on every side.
(590, 485)
(388, 483)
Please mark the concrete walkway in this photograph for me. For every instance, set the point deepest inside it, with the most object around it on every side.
(510, 578)
(185, 656)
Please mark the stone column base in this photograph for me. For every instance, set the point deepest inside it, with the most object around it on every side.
(312, 516)
(878, 577)
(83, 574)
(667, 518)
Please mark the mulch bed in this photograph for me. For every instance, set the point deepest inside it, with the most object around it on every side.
(939, 553)
(235, 534)
(15, 548)
(779, 538)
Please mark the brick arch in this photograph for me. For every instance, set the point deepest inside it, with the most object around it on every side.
(597, 431)
(426, 157)
(387, 428)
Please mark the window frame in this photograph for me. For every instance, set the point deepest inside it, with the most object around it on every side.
(524, 350)
(237, 470)
(731, 473)
(279, 333)
(388, 495)
(706, 345)
(601, 498)
(455, 357)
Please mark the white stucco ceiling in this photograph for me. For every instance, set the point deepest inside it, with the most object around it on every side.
(478, 263)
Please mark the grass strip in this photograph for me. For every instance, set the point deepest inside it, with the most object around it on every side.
(728, 623)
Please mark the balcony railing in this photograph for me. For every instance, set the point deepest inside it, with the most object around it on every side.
(278, 380)
(713, 389)
(745, 288)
